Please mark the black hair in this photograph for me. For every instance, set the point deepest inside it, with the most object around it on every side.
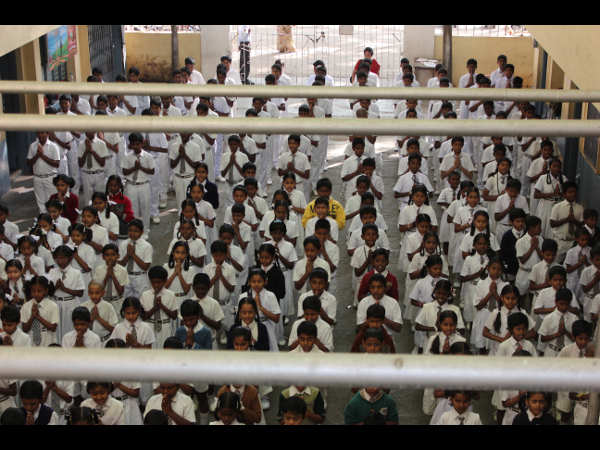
(312, 240)
(133, 302)
(63, 250)
(582, 327)
(588, 213)
(376, 311)
(238, 331)
(311, 302)
(487, 227)
(158, 272)
(188, 202)
(39, 280)
(238, 209)
(54, 203)
(557, 270)
(517, 319)
(30, 240)
(156, 417)
(105, 384)
(93, 211)
(10, 313)
(31, 389)
(277, 225)
(318, 272)
(185, 221)
(376, 333)
(116, 178)
(369, 226)
(81, 313)
(218, 247)
(60, 177)
(564, 294)
(457, 139)
(508, 289)
(15, 416)
(436, 344)
(136, 137)
(324, 182)
(102, 196)
(308, 328)
(189, 308)
(322, 224)
(445, 285)
(367, 210)
(532, 221)
(549, 245)
(460, 348)
(377, 278)
(517, 213)
(115, 343)
(294, 405)
(186, 261)
(418, 188)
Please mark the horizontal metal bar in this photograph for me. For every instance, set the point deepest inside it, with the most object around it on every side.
(379, 127)
(328, 369)
(215, 90)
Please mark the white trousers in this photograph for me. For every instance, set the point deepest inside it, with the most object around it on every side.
(140, 203)
(219, 144)
(43, 188)
(90, 183)
(180, 184)
(161, 161)
(74, 167)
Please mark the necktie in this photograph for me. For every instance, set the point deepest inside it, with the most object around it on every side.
(182, 163)
(446, 347)
(439, 311)
(64, 275)
(519, 347)
(571, 234)
(461, 420)
(294, 160)
(157, 321)
(503, 179)
(560, 342)
(136, 173)
(581, 353)
(453, 195)
(133, 332)
(481, 260)
(36, 330)
(414, 177)
(89, 161)
(130, 260)
(109, 288)
(491, 304)
(230, 175)
(54, 401)
(216, 289)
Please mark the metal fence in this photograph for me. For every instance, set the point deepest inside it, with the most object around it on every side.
(487, 30)
(338, 46)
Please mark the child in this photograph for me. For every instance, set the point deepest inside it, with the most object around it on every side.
(371, 336)
(32, 264)
(31, 394)
(40, 316)
(368, 402)
(68, 287)
(112, 276)
(46, 239)
(457, 161)
(461, 200)
(517, 325)
(441, 341)
(108, 219)
(335, 211)
(556, 329)
(473, 267)
(91, 220)
(231, 163)
(304, 267)
(318, 281)
(508, 254)
(102, 314)
(423, 290)
(484, 300)
(590, 283)
(548, 189)
(280, 212)
(293, 411)
(180, 272)
(545, 302)
(287, 258)
(266, 302)
(426, 321)
(296, 163)
(577, 259)
(413, 242)
(119, 203)
(362, 258)
(461, 400)
(59, 396)
(81, 335)
(447, 196)
(353, 203)
(367, 215)
(211, 314)
(418, 204)
(495, 186)
(235, 256)
(11, 333)
(463, 224)
(197, 249)
(406, 182)
(297, 205)
(138, 167)
(352, 167)
(160, 303)
(44, 158)
(137, 258)
(110, 410)
(247, 318)
(254, 201)
(127, 392)
(91, 157)
(321, 206)
(184, 155)
(538, 277)
(222, 281)
(381, 259)
(565, 218)
(228, 409)
(178, 407)
(590, 221)
(189, 212)
(14, 287)
(312, 308)
(393, 316)
(311, 395)
(60, 224)
(329, 251)
(535, 414)
(529, 252)
(211, 192)
(132, 330)
(68, 199)
(205, 211)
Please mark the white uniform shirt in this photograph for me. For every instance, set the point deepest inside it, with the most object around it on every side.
(328, 303)
(453, 338)
(550, 326)
(504, 313)
(502, 203)
(453, 418)
(111, 413)
(509, 346)
(300, 161)
(522, 246)
(193, 152)
(229, 273)
(167, 298)
(19, 338)
(300, 270)
(465, 162)
(406, 183)
(146, 161)
(49, 311)
(90, 339)
(182, 405)
(98, 146)
(334, 232)
(145, 333)
(143, 249)
(107, 312)
(37, 263)
(355, 241)
(391, 306)
(240, 159)
(561, 211)
(324, 333)
(428, 315)
(41, 167)
(99, 274)
(72, 280)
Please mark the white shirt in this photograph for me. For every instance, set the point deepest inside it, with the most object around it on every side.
(90, 339)
(300, 161)
(19, 338)
(196, 77)
(49, 311)
(391, 306)
(407, 181)
(37, 264)
(300, 270)
(509, 346)
(429, 314)
(522, 246)
(111, 413)
(99, 273)
(167, 298)
(550, 326)
(324, 333)
(107, 312)
(334, 232)
(229, 273)
(465, 162)
(410, 213)
(286, 250)
(328, 303)
(99, 147)
(355, 241)
(453, 418)
(452, 339)
(142, 248)
(41, 167)
(146, 161)
(502, 203)
(212, 310)
(561, 211)
(240, 159)
(193, 152)
(145, 333)
(72, 280)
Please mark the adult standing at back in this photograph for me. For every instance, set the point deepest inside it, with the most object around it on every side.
(368, 54)
(244, 46)
(195, 76)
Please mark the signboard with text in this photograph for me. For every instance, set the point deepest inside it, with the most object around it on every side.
(62, 43)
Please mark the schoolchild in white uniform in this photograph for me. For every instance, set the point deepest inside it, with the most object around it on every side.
(495, 186)
(181, 409)
(590, 284)
(197, 249)
(160, 305)
(577, 259)
(132, 330)
(505, 203)
(296, 162)
(189, 213)
(480, 224)
(446, 198)
(40, 316)
(212, 313)
(205, 210)
(407, 181)
(207, 140)
(111, 276)
(555, 332)
(184, 155)
(456, 161)
(459, 415)
(232, 162)
(138, 167)
(43, 156)
(102, 314)
(545, 302)
(115, 141)
(287, 258)
(418, 204)
(565, 218)
(549, 192)
(538, 167)
(110, 410)
(32, 264)
(136, 257)
(463, 225)
(12, 334)
(58, 395)
(529, 252)
(66, 141)
(311, 308)
(107, 219)
(423, 290)
(69, 288)
(92, 153)
(304, 267)
(393, 315)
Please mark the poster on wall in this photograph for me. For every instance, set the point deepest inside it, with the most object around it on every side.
(62, 43)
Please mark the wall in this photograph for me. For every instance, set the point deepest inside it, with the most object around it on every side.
(215, 43)
(15, 36)
(419, 41)
(485, 50)
(151, 53)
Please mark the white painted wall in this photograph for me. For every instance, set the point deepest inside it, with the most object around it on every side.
(215, 43)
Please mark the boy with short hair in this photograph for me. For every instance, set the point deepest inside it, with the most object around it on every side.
(44, 157)
(92, 153)
(211, 313)
(352, 206)
(566, 216)
(293, 411)
(352, 166)
(507, 202)
(538, 277)
(232, 162)
(297, 163)
(367, 402)
(160, 306)
(324, 339)
(112, 277)
(31, 394)
(81, 335)
(103, 316)
(178, 406)
(138, 167)
(393, 316)
(321, 206)
(371, 336)
(184, 156)
(318, 280)
(330, 252)
(11, 333)
(590, 223)
(556, 329)
(457, 160)
(406, 182)
(336, 211)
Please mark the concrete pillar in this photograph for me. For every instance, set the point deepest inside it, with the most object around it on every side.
(418, 41)
(29, 67)
(215, 43)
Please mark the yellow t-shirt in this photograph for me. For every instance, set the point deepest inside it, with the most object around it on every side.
(336, 211)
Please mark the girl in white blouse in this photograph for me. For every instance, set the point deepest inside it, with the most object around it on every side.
(108, 219)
